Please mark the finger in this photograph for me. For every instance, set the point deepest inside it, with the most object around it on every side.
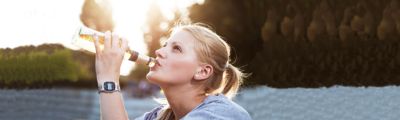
(96, 44)
(124, 45)
(115, 41)
(107, 40)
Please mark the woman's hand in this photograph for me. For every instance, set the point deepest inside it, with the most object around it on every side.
(108, 63)
(109, 59)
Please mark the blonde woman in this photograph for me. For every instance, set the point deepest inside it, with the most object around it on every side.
(193, 70)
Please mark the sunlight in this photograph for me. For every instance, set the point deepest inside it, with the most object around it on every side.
(130, 19)
(27, 22)
(169, 6)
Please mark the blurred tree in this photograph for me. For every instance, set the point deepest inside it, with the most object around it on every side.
(153, 31)
(152, 35)
(239, 22)
(97, 14)
(47, 64)
(260, 32)
(157, 28)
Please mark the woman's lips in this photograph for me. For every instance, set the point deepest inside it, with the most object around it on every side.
(157, 65)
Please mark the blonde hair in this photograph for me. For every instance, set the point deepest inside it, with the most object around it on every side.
(213, 50)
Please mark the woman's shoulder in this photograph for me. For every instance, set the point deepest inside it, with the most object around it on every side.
(214, 107)
(218, 107)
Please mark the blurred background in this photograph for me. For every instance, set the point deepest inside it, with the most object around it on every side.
(307, 59)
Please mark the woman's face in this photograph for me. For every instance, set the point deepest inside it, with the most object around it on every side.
(176, 60)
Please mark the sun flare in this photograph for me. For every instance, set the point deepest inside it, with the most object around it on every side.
(130, 19)
(27, 22)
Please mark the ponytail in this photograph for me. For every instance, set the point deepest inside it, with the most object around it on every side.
(232, 80)
(167, 114)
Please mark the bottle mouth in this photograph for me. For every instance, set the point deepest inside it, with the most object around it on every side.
(83, 40)
(83, 30)
(152, 62)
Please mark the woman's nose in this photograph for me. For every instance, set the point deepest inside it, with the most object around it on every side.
(159, 53)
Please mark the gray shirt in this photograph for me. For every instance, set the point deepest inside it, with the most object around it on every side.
(214, 107)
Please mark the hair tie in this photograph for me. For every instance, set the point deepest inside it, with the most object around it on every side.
(226, 66)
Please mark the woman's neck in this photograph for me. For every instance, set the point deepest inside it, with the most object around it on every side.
(183, 99)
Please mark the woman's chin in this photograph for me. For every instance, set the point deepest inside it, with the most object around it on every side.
(151, 76)
(156, 79)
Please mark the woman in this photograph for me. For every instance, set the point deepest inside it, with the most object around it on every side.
(193, 70)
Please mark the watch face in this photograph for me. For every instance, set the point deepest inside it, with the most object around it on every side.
(109, 86)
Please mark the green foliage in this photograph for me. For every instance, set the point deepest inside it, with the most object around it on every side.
(33, 67)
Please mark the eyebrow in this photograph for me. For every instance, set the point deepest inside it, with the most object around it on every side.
(174, 42)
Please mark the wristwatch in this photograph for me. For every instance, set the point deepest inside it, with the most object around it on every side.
(109, 87)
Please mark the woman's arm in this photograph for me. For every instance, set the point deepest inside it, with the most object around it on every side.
(112, 106)
(108, 63)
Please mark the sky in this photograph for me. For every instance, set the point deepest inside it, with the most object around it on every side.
(34, 22)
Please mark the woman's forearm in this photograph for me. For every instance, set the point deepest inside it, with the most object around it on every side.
(112, 106)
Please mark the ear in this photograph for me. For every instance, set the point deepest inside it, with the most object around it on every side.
(203, 72)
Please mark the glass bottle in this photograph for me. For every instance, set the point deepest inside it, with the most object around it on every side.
(84, 39)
